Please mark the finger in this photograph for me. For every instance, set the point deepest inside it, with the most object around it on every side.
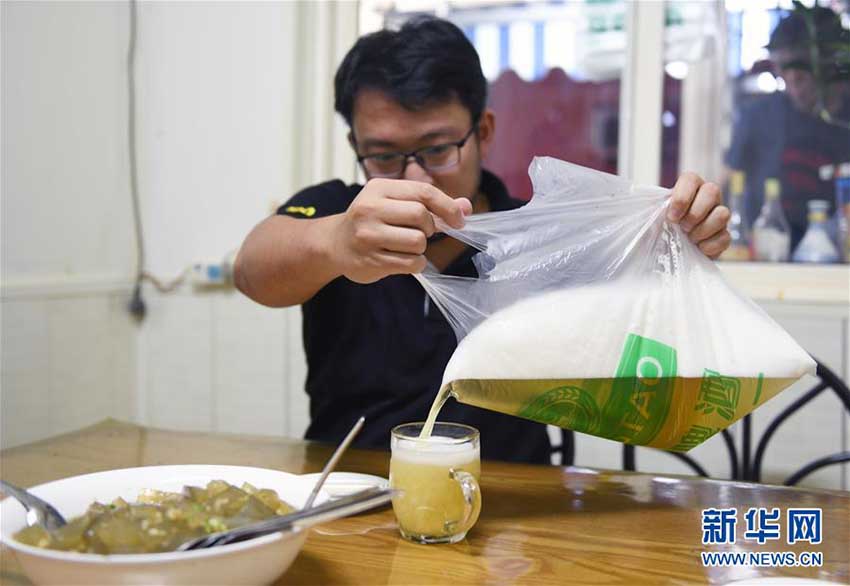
(465, 205)
(714, 246)
(682, 195)
(398, 263)
(437, 202)
(403, 240)
(707, 198)
(409, 214)
(716, 221)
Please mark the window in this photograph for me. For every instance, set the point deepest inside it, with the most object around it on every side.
(764, 122)
(554, 73)
(557, 71)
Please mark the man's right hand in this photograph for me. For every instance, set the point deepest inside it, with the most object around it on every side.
(386, 228)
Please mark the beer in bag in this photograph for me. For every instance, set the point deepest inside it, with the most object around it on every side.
(594, 313)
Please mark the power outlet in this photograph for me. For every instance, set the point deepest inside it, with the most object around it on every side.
(213, 273)
(206, 273)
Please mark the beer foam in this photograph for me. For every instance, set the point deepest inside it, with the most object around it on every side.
(436, 451)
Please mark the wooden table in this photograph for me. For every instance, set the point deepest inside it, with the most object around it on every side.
(539, 525)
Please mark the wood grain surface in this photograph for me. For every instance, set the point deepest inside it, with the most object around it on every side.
(539, 524)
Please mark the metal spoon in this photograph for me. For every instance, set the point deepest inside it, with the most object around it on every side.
(38, 510)
(308, 515)
(332, 462)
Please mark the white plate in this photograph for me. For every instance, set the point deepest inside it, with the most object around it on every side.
(256, 561)
(340, 484)
(780, 581)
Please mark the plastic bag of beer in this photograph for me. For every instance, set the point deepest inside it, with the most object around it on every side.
(593, 313)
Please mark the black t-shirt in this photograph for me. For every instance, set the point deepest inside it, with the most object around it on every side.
(771, 138)
(380, 350)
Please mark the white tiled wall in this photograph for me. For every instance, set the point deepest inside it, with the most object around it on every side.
(206, 361)
(248, 369)
(67, 362)
(24, 371)
(86, 361)
(176, 340)
(217, 361)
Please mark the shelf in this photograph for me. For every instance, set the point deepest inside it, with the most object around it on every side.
(817, 284)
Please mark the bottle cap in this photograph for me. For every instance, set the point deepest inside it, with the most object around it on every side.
(826, 172)
(817, 209)
(771, 188)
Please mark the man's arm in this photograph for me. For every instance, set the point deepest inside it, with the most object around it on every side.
(285, 261)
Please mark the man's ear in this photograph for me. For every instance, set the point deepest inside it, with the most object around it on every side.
(351, 140)
(486, 131)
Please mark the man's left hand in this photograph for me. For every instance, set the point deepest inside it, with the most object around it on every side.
(697, 206)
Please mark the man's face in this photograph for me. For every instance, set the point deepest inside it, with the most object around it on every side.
(381, 125)
(794, 66)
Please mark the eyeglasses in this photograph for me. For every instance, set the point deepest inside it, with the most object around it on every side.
(435, 158)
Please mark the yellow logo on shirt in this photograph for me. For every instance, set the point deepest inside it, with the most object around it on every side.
(308, 211)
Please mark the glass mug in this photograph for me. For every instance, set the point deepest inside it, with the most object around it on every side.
(439, 498)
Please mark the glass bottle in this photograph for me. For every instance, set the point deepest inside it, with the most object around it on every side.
(771, 232)
(739, 248)
(816, 245)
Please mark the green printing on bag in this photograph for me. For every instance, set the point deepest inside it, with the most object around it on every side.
(718, 394)
(694, 437)
(642, 392)
(570, 407)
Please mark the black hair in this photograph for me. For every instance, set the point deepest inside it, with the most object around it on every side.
(428, 61)
(831, 39)
(792, 32)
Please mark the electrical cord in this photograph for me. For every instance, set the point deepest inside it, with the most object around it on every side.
(166, 287)
(136, 306)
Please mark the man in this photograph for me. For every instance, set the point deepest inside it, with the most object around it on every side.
(415, 103)
(784, 135)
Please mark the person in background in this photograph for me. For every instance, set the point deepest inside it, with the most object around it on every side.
(783, 134)
(415, 103)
